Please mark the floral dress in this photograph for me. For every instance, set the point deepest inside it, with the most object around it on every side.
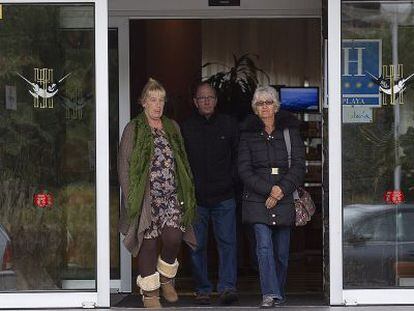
(165, 210)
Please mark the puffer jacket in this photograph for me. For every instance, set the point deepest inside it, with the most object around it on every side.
(263, 163)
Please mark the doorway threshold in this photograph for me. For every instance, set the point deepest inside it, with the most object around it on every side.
(246, 301)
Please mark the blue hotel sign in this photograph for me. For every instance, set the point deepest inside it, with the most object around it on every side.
(359, 58)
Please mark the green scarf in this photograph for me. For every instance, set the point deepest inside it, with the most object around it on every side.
(139, 168)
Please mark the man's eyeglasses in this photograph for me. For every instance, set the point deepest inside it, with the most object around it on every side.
(264, 103)
(204, 98)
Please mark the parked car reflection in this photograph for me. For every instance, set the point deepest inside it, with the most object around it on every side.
(378, 245)
(7, 275)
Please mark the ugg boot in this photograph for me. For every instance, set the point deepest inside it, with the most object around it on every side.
(168, 272)
(150, 286)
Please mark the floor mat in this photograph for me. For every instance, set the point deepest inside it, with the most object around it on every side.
(245, 300)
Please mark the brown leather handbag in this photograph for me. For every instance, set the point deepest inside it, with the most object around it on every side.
(304, 205)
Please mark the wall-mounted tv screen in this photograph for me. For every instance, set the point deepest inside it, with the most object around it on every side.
(299, 99)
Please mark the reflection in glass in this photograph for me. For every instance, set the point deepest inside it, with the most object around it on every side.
(377, 157)
(47, 146)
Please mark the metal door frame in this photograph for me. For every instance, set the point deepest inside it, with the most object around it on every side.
(124, 284)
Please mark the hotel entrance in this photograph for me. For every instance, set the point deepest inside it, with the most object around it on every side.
(175, 51)
(70, 75)
(60, 126)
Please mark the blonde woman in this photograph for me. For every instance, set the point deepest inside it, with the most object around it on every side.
(157, 194)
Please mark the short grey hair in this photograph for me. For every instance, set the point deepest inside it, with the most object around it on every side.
(269, 92)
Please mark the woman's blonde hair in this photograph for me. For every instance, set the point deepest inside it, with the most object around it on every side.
(151, 86)
(268, 91)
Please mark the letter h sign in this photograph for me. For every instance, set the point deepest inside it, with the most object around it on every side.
(360, 60)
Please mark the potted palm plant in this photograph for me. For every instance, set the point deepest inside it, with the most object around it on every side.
(236, 85)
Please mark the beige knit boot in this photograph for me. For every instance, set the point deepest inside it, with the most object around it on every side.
(168, 272)
(150, 290)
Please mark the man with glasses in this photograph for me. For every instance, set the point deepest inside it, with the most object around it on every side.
(211, 141)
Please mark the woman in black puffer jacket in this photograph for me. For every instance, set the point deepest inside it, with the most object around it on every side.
(268, 186)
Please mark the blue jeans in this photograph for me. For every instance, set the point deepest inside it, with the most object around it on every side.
(223, 216)
(272, 249)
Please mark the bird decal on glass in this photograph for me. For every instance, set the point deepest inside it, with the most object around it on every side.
(49, 91)
(385, 84)
(74, 106)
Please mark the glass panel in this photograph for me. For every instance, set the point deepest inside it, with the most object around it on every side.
(113, 145)
(47, 147)
(378, 143)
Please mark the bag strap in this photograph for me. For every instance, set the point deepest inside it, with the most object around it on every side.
(286, 135)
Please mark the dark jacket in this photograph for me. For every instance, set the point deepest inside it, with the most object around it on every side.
(211, 146)
(258, 154)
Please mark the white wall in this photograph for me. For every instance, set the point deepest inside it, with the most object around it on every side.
(200, 8)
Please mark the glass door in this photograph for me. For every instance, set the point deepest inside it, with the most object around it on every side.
(54, 154)
(119, 103)
(377, 151)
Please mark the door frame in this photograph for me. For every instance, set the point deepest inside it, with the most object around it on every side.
(99, 297)
(335, 153)
(124, 284)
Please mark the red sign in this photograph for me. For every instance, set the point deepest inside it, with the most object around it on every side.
(394, 197)
(42, 200)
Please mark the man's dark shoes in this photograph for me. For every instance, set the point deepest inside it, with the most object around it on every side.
(278, 302)
(228, 297)
(202, 299)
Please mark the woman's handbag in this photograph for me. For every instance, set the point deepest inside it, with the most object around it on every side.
(304, 205)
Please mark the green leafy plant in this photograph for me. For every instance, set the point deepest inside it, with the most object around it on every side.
(236, 85)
